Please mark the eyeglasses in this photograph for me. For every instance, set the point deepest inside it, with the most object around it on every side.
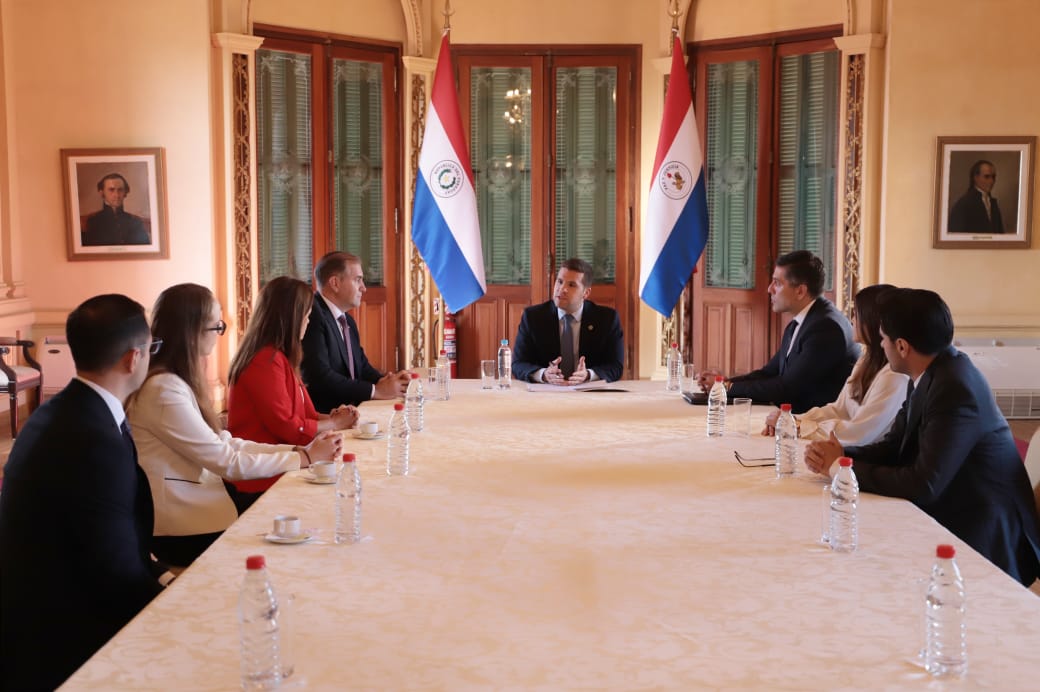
(741, 460)
(152, 346)
(219, 329)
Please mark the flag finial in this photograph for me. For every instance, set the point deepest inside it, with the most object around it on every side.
(447, 12)
(674, 13)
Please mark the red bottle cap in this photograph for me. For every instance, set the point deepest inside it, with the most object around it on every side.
(398, 407)
(443, 352)
(675, 345)
(349, 457)
(845, 461)
(255, 562)
(944, 551)
(415, 375)
(785, 407)
(720, 378)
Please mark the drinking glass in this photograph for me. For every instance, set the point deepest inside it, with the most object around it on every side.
(825, 517)
(488, 374)
(688, 381)
(738, 417)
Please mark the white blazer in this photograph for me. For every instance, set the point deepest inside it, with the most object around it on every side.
(858, 423)
(185, 460)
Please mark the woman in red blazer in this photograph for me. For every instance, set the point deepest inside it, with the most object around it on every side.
(267, 401)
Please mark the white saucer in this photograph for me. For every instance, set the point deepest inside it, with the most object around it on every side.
(289, 540)
(327, 480)
(369, 436)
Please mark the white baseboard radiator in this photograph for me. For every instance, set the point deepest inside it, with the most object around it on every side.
(1013, 372)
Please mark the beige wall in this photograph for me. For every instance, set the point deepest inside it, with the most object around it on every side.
(960, 68)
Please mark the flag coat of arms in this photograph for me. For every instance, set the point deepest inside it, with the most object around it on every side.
(445, 225)
(676, 228)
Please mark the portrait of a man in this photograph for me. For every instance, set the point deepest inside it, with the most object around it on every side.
(113, 224)
(977, 210)
(115, 203)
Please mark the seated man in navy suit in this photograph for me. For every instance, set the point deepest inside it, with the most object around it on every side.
(949, 451)
(569, 340)
(817, 352)
(334, 366)
(76, 512)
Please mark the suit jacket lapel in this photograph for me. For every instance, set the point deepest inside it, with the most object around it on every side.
(332, 325)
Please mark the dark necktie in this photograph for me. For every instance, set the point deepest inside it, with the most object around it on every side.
(346, 338)
(785, 343)
(124, 428)
(567, 346)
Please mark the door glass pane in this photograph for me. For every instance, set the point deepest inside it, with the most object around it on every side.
(357, 157)
(586, 167)
(283, 102)
(732, 166)
(500, 147)
(808, 155)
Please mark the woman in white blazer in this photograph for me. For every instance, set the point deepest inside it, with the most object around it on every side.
(872, 396)
(180, 444)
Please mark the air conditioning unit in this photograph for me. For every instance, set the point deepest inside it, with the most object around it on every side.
(1013, 373)
(56, 362)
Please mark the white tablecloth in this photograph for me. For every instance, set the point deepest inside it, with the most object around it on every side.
(578, 541)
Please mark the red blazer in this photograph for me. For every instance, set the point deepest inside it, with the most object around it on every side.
(269, 403)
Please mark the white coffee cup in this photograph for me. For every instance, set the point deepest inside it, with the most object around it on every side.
(368, 427)
(286, 526)
(323, 469)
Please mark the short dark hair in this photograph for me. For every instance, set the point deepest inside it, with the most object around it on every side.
(918, 316)
(113, 176)
(102, 329)
(975, 168)
(802, 267)
(576, 264)
(332, 264)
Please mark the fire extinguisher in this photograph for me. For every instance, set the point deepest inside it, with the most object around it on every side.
(449, 342)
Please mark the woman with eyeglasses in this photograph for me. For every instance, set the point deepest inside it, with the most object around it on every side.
(180, 444)
(872, 396)
(267, 401)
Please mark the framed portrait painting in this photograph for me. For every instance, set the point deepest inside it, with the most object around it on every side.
(115, 203)
(984, 192)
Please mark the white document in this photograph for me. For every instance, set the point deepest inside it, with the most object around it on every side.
(584, 387)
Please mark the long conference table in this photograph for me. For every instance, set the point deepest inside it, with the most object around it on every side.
(577, 540)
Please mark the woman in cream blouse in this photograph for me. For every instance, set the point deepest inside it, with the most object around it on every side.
(180, 444)
(872, 396)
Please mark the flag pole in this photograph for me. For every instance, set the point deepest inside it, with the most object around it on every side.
(447, 12)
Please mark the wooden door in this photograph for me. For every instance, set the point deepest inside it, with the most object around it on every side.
(730, 327)
(551, 143)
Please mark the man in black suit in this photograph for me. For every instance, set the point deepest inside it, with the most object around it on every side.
(949, 451)
(334, 365)
(113, 225)
(817, 351)
(569, 340)
(977, 210)
(76, 512)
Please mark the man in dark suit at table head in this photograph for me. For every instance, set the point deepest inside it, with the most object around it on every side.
(76, 512)
(950, 450)
(817, 351)
(334, 366)
(569, 340)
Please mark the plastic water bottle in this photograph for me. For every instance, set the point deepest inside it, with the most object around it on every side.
(398, 434)
(946, 653)
(844, 500)
(258, 628)
(348, 502)
(443, 367)
(786, 442)
(413, 403)
(505, 365)
(717, 408)
(673, 363)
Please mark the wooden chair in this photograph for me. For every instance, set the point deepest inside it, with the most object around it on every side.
(19, 378)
